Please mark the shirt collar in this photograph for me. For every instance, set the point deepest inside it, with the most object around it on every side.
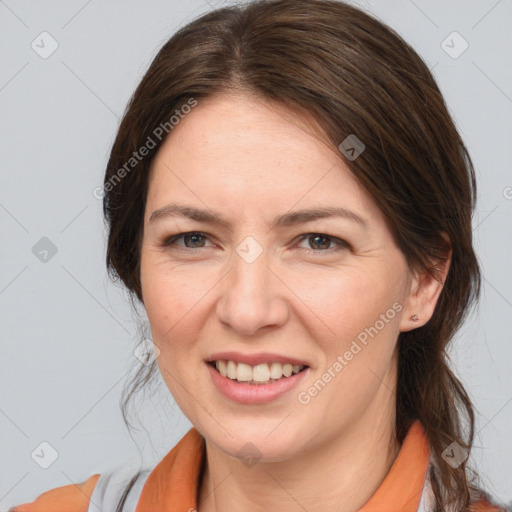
(401, 489)
(173, 485)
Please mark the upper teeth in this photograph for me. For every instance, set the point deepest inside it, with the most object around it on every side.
(259, 373)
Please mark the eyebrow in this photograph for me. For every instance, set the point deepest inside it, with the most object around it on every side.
(285, 220)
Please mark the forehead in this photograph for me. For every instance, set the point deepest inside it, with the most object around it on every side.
(240, 129)
(242, 152)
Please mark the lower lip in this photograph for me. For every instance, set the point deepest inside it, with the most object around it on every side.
(254, 393)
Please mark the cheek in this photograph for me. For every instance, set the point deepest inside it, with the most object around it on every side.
(174, 309)
(362, 309)
(172, 299)
(348, 300)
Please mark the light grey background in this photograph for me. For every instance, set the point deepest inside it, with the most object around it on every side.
(68, 333)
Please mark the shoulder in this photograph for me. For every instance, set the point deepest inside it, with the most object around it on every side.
(68, 498)
(97, 494)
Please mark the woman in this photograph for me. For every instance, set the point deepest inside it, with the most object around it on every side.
(291, 202)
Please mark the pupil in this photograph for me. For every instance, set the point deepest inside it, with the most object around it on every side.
(194, 237)
(315, 239)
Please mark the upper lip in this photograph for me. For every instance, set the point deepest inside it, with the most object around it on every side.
(254, 359)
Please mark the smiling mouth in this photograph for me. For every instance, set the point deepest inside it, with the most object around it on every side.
(264, 373)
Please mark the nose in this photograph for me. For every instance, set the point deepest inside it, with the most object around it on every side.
(253, 297)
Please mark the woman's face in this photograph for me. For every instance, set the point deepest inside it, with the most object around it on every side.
(269, 280)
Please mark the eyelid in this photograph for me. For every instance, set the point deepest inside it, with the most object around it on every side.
(169, 241)
(341, 244)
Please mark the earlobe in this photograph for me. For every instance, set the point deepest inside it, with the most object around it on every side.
(425, 290)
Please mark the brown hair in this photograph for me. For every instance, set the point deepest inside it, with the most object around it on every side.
(355, 76)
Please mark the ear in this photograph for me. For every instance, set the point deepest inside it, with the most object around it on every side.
(424, 292)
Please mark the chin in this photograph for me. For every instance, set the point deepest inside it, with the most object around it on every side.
(259, 440)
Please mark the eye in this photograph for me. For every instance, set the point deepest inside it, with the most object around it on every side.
(192, 240)
(321, 242)
(318, 242)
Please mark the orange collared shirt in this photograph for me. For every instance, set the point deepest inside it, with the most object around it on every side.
(173, 484)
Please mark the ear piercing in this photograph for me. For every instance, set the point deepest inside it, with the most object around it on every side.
(415, 318)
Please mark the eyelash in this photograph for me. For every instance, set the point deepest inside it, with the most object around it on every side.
(342, 244)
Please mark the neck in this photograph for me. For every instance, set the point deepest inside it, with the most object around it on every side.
(342, 475)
